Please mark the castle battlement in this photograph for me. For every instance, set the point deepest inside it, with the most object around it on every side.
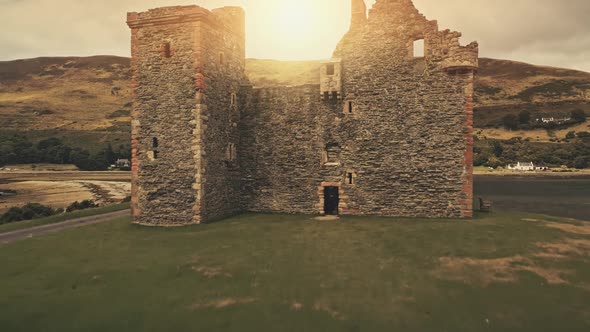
(231, 18)
(385, 131)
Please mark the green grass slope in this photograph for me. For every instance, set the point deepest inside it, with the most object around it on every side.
(499, 272)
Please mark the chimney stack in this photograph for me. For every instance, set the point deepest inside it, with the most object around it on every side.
(359, 14)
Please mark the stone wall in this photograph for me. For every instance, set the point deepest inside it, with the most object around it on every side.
(284, 132)
(410, 137)
(222, 52)
(404, 128)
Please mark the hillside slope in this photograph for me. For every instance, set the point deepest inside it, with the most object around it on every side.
(72, 96)
(67, 97)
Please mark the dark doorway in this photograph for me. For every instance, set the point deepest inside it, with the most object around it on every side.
(331, 201)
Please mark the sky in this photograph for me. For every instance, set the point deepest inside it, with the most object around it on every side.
(543, 32)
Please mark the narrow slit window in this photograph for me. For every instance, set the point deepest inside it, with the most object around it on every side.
(155, 155)
(334, 95)
(350, 178)
(155, 142)
(166, 50)
(419, 49)
(233, 99)
(330, 69)
(221, 58)
(230, 152)
(349, 107)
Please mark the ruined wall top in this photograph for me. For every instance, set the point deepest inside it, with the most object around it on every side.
(400, 22)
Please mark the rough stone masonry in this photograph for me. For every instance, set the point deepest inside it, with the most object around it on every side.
(387, 129)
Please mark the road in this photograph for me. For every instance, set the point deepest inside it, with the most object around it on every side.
(22, 234)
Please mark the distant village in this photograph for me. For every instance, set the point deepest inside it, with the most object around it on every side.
(553, 120)
(526, 167)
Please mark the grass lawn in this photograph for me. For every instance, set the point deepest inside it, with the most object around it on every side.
(499, 272)
(14, 226)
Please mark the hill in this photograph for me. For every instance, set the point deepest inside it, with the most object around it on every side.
(67, 97)
(72, 97)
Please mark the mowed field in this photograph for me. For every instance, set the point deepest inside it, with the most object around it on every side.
(59, 189)
(498, 272)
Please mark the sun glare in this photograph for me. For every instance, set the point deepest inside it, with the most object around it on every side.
(297, 29)
(295, 20)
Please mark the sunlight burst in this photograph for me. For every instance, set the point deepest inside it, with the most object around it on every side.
(295, 20)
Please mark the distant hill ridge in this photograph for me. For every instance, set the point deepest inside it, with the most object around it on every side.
(75, 94)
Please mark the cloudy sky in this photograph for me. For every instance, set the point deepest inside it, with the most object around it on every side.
(545, 32)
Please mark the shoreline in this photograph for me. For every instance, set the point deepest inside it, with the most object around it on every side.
(546, 175)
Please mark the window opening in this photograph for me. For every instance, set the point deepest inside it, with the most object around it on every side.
(419, 48)
(166, 50)
(230, 152)
(350, 178)
(233, 99)
(330, 69)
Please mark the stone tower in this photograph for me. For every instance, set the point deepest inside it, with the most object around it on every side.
(188, 66)
(385, 130)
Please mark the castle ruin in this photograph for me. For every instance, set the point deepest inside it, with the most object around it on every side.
(384, 131)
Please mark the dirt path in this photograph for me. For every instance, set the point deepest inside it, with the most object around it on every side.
(10, 237)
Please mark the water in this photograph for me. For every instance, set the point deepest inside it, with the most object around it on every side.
(557, 196)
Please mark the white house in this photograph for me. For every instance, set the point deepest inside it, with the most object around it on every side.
(522, 167)
(553, 120)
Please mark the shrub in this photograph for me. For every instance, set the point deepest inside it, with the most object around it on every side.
(570, 135)
(27, 212)
(510, 122)
(85, 204)
(524, 117)
(578, 115)
(581, 163)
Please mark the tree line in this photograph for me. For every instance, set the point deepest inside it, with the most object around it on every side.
(524, 121)
(18, 149)
(496, 153)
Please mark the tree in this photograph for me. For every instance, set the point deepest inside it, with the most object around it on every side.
(109, 154)
(578, 115)
(497, 148)
(570, 135)
(47, 143)
(510, 122)
(581, 163)
(494, 162)
(524, 117)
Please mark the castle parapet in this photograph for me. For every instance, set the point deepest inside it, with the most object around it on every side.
(462, 58)
(230, 18)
